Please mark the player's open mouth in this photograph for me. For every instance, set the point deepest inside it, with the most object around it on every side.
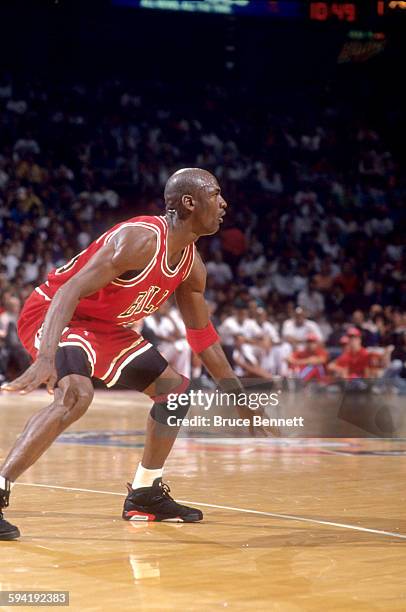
(221, 218)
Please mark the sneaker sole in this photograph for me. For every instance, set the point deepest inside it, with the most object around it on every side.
(10, 535)
(144, 518)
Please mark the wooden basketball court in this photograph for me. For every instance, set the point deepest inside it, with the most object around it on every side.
(316, 524)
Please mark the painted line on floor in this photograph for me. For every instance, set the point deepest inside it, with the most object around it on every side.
(289, 517)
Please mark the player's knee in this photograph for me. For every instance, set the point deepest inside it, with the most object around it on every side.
(173, 406)
(84, 398)
(77, 397)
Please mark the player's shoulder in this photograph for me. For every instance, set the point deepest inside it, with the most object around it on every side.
(147, 225)
(136, 240)
(142, 231)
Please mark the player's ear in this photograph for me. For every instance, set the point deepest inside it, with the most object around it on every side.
(188, 202)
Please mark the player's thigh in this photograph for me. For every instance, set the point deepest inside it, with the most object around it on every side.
(150, 373)
(167, 382)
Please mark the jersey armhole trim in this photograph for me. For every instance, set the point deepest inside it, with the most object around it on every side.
(130, 282)
(191, 263)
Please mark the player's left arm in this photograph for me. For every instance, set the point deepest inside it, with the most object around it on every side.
(200, 332)
(204, 340)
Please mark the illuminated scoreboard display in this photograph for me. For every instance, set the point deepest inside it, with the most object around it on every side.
(284, 9)
(221, 7)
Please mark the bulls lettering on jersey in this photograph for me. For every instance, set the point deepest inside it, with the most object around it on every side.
(122, 302)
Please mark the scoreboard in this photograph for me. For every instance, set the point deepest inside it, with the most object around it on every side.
(283, 9)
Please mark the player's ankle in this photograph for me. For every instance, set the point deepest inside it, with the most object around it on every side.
(5, 483)
(5, 488)
(145, 477)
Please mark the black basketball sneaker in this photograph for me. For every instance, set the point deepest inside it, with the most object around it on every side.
(155, 504)
(7, 530)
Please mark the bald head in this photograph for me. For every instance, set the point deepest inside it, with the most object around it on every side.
(186, 182)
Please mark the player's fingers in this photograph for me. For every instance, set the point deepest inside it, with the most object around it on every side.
(17, 384)
(31, 386)
(51, 384)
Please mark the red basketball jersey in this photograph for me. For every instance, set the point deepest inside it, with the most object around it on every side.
(124, 301)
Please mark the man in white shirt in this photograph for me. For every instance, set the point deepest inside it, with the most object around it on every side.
(170, 332)
(240, 332)
(296, 329)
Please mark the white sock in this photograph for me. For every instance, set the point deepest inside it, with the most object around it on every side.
(3, 483)
(196, 371)
(144, 477)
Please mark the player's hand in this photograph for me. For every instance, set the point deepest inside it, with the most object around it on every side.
(257, 431)
(41, 371)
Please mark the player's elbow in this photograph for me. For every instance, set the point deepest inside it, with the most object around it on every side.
(69, 293)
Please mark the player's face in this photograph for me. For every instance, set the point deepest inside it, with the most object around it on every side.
(211, 207)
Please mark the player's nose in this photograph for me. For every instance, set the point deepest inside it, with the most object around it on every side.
(223, 203)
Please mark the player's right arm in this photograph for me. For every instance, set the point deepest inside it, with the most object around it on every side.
(131, 250)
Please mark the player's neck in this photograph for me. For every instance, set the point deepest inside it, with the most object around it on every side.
(180, 234)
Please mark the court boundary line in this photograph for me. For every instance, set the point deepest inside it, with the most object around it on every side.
(289, 517)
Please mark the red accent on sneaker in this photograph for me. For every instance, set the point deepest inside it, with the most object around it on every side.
(142, 516)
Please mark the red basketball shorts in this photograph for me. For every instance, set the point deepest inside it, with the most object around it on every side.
(109, 349)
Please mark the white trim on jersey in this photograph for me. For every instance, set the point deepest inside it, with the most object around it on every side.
(87, 343)
(38, 290)
(131, 282)
(113, 363)
(126, 362)
(164, 261)
(191, 263)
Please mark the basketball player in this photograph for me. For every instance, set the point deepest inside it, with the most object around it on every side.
(75, 327)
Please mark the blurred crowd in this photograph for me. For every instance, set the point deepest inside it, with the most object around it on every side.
(309, 266)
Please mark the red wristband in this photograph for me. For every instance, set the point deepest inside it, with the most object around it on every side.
(200, 339)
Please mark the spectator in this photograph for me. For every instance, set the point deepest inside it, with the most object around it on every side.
(239, 331)
(309, 363)
(170, 335)
(355, 360)
(311, 300)
(296, 329)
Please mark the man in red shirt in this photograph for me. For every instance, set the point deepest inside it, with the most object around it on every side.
(309, 363)
(354, 362)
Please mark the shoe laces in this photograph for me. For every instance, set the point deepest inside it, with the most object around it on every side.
(165, 490)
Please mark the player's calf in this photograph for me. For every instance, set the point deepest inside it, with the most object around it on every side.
(148, 497)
